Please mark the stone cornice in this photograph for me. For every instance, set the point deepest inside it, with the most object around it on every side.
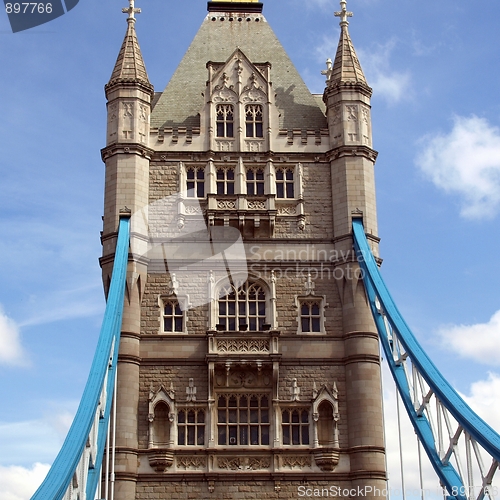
(131, 148)
(339, 87)
(350, 151)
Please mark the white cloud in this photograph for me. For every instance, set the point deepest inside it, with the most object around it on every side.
(19, 483)
(388, 83)
(466, 161)
(391, 85)
(11, 351)
(478, 342)
(484, 399)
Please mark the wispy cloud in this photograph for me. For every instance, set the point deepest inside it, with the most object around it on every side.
(466, 162)
(483, 399)
(64, 304)
(478, 342)
(11, 350)
(19, 483)
(38, 440)
(388, 83)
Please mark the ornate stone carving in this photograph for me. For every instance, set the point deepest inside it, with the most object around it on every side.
(161, 460)
(244, 463)
(352, 113)
(191, 462)
(226, 204)
(128, 109)
(254, 146)
(296, 461)
(366, 114)
(326, 458)
(225, 145)
(230, 463)
(191, 210)
(287, 210)
(256, 205)
(224, 95)
(243, 345)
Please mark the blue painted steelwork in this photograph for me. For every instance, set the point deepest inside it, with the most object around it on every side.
(102, 374)
(479, 430)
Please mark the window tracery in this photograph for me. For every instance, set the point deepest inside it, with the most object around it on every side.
(225, 120)
(295, 426)
(285, 183)
(225, 181)
(191, 427)
(243, 420)
(255, 182)
(242, 308)
(254, 120)
(195, 182)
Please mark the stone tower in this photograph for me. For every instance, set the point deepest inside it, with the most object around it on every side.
(249, 362)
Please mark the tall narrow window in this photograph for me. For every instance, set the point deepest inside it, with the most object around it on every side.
(285, 183)
(225, 181)
(242, 309)
(295, 427)
(191, 427)
(243, 420)
(173, 317)
(196, 182)
(225, 120)
(310, 317)
(254, 121)
(255, 182)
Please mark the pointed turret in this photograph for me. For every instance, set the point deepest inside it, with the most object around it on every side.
(346, 67)
(347, 98)
(130, 67)
(127, 156)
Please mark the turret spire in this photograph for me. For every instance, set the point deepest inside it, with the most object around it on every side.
(346, 67)
(130, 67)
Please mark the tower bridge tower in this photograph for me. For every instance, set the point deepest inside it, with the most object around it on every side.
(249, 361)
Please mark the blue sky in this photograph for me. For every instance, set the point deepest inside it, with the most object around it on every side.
(436, 122)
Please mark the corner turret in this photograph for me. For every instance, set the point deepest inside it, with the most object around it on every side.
(347, 98)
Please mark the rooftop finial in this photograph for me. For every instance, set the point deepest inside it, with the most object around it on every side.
(131, 11)
(343, 14)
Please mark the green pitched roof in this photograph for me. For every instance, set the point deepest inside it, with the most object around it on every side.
(182, 100)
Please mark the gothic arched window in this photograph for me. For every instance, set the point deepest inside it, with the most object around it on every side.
(243, 419)
(310, 317)
(173, 317)
(255, 182)
(225, 181)
(225, 120)
(196, 182)
(243, 308)
(191, 427)
(254, 120)
(285, 183)
(295, 426)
